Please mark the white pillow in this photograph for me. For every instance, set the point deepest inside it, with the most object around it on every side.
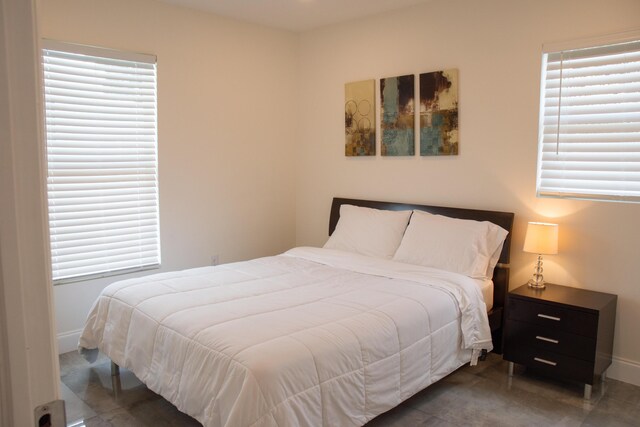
(367, 231)
(463, 246)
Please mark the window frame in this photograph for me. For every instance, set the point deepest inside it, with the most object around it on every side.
(108, 55)
(557, 48)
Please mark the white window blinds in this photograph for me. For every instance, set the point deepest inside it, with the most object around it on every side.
(102, 160)
(590, 123)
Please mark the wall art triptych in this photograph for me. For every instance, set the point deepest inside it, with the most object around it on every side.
(437, 108)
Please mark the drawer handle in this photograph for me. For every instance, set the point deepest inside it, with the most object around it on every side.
(538, 337)
(545, 361)
(546, 316)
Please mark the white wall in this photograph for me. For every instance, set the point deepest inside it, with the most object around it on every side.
(496, 46)
(227, 95)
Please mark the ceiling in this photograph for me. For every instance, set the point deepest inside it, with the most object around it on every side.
(295, 15)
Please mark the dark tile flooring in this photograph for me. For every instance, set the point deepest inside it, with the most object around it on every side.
(481, 395)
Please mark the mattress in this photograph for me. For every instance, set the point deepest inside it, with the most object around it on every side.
(311, 337)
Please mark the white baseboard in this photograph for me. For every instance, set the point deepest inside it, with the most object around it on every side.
(68, 341)
(621, 369)
(624, 370)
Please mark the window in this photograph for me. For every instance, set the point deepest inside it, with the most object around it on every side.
(102, 180)
(589, 137)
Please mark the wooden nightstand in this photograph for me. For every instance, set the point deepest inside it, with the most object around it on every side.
(560, 331)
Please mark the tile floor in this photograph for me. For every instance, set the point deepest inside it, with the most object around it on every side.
(482, 395)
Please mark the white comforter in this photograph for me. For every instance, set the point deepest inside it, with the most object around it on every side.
(313, 337)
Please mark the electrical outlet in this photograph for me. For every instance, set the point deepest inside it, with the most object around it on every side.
(215, 259)
(51, 414)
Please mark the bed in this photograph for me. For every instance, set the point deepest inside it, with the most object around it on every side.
(315, 336)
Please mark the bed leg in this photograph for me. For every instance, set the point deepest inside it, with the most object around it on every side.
(115, 369)
(511, 364)
(116, 385)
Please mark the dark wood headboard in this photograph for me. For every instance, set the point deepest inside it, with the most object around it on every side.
(501, 272)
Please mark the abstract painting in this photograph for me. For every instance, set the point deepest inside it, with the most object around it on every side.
(397, 97)
(359, 118)
(439, 113)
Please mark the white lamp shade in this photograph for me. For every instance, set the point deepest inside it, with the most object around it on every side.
(541, 238)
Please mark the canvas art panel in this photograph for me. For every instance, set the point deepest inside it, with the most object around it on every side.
(397, 98)
(439, 113)
(359, 118)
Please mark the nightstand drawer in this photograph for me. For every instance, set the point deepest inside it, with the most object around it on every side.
(554, 364)
(554, 317)
(532, 335)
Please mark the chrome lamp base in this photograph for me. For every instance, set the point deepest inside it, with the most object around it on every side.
(537, 281)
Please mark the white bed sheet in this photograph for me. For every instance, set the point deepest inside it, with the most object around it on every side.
(486, 287)
(311, 337)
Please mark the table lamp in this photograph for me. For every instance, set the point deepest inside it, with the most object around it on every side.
(541, 239)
